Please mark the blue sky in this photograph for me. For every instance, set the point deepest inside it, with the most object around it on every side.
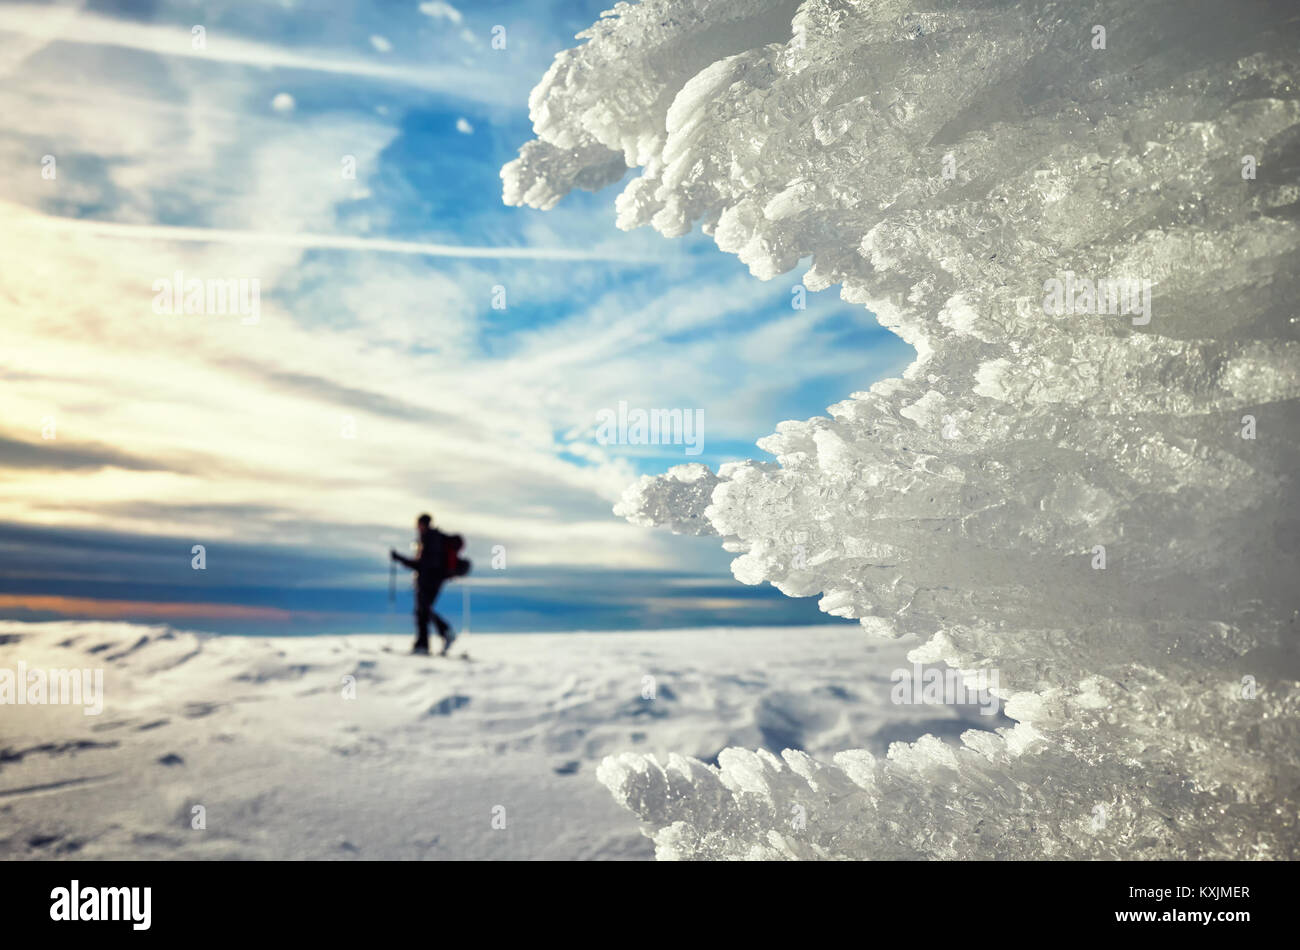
(379, 380)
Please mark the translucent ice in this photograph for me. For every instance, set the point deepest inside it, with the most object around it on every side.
(1084, 218)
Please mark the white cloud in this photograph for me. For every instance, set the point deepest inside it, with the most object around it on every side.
(253, 415)
(50, 25)
(283, 102)
(343, 242)
(381, 44)
(463, 126)
(438, 10)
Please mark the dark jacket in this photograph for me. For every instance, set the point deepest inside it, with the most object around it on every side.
(430, 562)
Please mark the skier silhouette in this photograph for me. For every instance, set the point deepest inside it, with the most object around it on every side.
(437, 560)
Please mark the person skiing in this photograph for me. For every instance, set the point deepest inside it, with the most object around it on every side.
(433, 564)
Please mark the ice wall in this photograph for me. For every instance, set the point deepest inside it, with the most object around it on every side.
(1099, 505)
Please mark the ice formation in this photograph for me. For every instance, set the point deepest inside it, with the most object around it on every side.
(1098, 505)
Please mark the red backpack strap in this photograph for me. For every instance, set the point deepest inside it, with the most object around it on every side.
(453, 543)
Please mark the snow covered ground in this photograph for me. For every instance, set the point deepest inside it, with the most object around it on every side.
(258, 733)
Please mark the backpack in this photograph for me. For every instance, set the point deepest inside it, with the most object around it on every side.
(457, 566)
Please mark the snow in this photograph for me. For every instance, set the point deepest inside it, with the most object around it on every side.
(1071, 501)
(257, 731)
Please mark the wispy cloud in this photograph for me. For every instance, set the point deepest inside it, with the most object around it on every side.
(438, 10)
(59, 25)
(337, 242)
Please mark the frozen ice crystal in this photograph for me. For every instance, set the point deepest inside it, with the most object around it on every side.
(1099, 504)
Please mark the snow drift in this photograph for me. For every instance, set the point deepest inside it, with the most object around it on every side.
(1098, 504)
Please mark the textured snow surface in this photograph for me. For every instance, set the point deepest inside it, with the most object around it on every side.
(259, 732)
(1156, 697)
